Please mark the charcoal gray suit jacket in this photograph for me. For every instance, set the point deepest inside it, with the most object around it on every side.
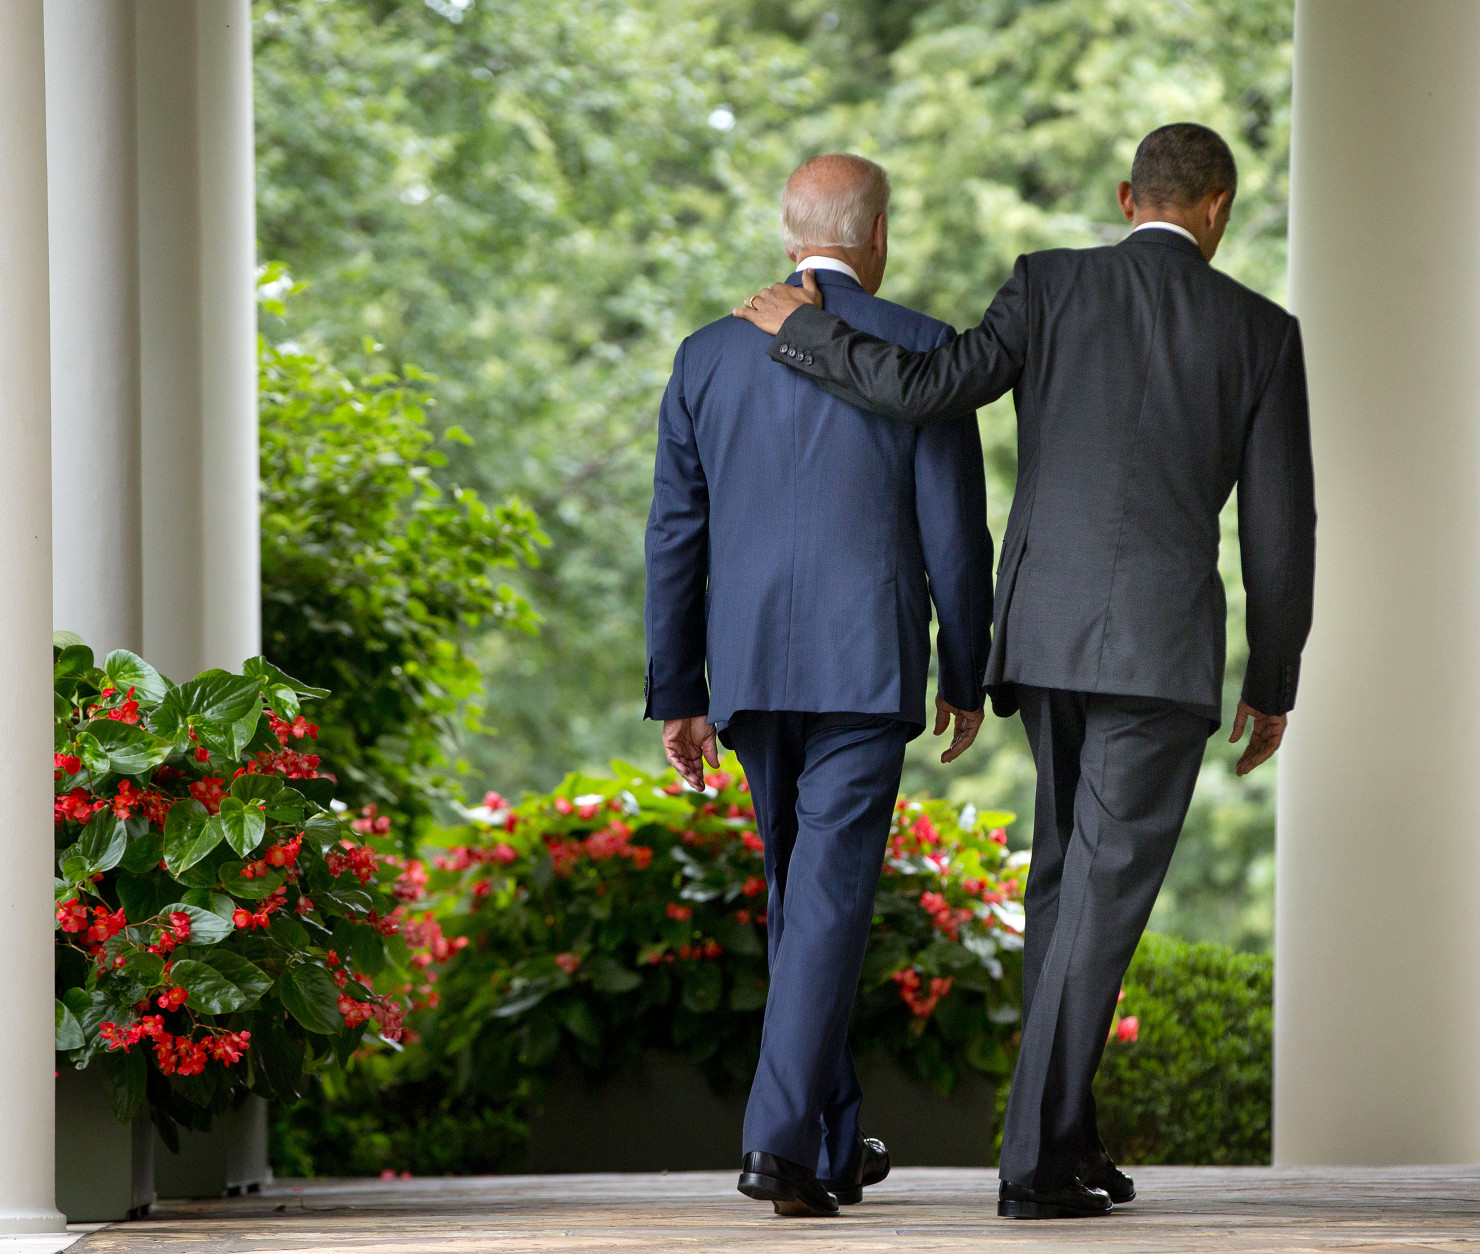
(795, 544)
(1147, 386)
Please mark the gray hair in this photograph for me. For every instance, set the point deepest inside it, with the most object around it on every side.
(836, 206)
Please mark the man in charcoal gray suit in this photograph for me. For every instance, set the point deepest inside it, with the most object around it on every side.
(1147, 386)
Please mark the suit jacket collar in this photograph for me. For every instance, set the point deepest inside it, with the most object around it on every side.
(826, 278)
(1157, 238)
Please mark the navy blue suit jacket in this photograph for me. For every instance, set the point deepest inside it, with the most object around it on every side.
(795, 542)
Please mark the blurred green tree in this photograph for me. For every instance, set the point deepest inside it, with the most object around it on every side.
(538, 199)
(374, 575)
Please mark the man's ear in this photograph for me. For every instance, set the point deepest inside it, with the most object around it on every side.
(1220, 208)
(1127, 201)
(881, 232)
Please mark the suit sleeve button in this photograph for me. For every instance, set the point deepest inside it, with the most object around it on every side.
(808, 359)
(784, 349)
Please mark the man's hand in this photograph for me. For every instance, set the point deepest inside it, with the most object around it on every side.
(968, 723)
(770, 308)
(688, 743)
(1269, 730)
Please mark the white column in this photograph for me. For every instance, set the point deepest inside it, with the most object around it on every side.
(1377, 938)
(197, 254)
(27, 1199)
(93, 194)
(228, 244)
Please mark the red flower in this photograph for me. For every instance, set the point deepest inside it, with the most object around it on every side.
(172, 999)
(76, 805)
(641, 856)
(753, 886)
(719, 780)
(494, 801)
(742, 916)
(588, 811)
(753, 842)
(999, 835)
(67, 763)
(503, 854)
(202, 754)
(209, 792)
(180, 925)
(242, 918)
(679, 913)
(563, 806)
(1128, 1029)
(72, 915)
(568, 962)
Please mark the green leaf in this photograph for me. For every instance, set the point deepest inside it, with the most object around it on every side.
(703, 983)
(367, 950)
(749, 993)
(102, 842)
(309, 994)
(146, 969)
(94, 760)
(247, 976)
(217, 696)
(124, 1076)
(142, 895)
(737, 938)
(242, 825)
(127, 670)
(206, 926)
(254, 889)
(205, 899)
(210, 992)
(263, 788)
(610, 976)
(69, 1031)
(260, 667)
(143, 853)
(65, 640)
(189, 835)
(581, 1023)
(130, 749)
(323, 830)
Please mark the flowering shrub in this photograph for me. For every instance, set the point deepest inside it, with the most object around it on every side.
(218, 926)
(619, 914)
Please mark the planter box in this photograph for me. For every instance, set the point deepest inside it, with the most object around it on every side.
(665, 1117)
(104, 1169)
(229, 1160)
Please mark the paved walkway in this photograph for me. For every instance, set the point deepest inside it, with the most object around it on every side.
(1351, 1210)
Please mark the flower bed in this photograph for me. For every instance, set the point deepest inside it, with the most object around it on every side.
(617, 915)
(218, 928)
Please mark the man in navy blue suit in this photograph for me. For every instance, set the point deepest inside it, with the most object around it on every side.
(794, 548)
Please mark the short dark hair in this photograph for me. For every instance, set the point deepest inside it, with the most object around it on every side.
(1180, 164)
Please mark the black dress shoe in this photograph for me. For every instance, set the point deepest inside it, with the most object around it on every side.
(873, 1166)
(1100, 1172)
(1070, 1201)
(791, 1189)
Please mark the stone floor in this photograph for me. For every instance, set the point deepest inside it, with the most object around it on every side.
(1352, 1210)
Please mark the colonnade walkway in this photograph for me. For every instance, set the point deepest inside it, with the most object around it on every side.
(1354, 1210)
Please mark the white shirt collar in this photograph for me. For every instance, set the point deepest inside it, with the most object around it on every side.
(1169, 226)
(829, 263)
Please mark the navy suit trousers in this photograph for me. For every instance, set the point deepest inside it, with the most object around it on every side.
(1115, 778)
(824, 787)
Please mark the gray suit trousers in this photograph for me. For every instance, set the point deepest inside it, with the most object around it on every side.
(1115, 779)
